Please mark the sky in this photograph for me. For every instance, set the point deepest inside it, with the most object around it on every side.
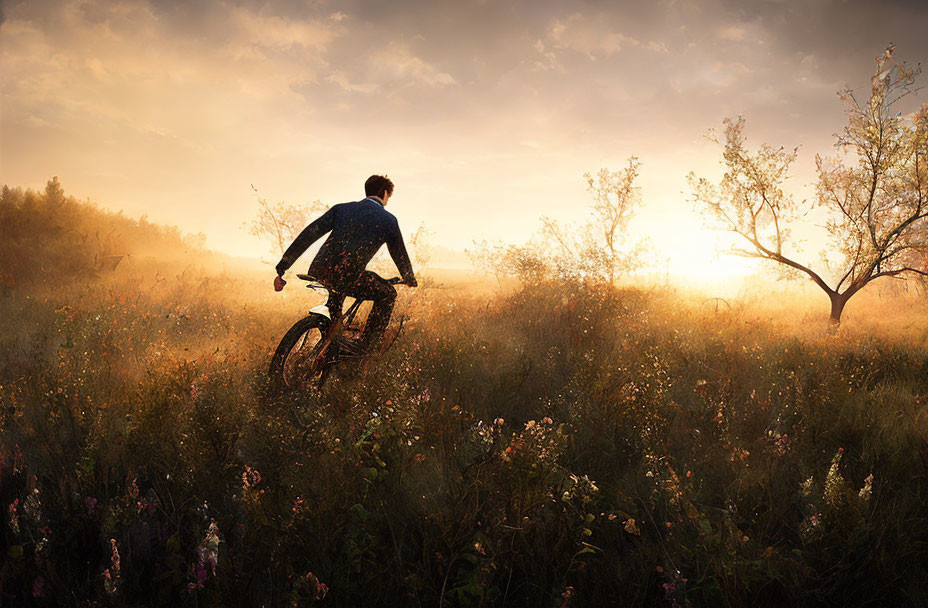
(486, 114)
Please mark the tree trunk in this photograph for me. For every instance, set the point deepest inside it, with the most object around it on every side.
(838, 301)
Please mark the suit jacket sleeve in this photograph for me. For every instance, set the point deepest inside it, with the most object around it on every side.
(323, 224)
(397, 249)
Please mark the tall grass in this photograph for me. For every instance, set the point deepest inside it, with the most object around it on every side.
(558, 445)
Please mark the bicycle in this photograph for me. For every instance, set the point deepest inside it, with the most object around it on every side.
(316, 343)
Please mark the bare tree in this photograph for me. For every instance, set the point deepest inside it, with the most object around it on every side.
(596, 250)
(421, 246)
(615, 200)
(279, 223)
(877, 206)
(528, 263)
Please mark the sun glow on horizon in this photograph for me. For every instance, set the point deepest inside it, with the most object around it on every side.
(486, 117)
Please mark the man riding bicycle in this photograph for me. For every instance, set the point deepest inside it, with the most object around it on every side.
(358, 230)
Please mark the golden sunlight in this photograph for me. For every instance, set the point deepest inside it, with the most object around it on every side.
(413, 303)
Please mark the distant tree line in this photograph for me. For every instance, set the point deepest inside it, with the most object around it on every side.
(48, 236)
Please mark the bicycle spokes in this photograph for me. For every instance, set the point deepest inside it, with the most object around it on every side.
(305, 359)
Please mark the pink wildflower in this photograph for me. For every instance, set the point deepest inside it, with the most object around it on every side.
(38, 587)
(317, 587)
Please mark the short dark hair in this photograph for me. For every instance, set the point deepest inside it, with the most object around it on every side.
(376, 185)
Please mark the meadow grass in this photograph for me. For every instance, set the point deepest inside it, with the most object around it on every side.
(557, 444)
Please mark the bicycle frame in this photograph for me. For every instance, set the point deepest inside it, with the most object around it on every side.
(335, 325)
(342, 321)
(322, 358)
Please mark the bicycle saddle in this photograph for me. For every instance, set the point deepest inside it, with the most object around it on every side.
(314, 283)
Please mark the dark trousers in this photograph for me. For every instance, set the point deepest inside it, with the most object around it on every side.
(368, 286)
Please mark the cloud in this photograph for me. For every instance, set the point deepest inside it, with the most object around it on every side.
(271, 31)
(35, 121)
(733, 33)
(396, 58)
(341, 79)
(548, 58)
(590, 36)
(656, 47)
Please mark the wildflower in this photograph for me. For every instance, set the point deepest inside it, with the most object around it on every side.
(631, 527)
(506, 455)
(115, 555)
(13, 510)
(807, 486)
(867, 490)
(583, 488)
(778, 442)
(811, 529)
(199, 574)
(317, 587)
(250, 478)
(209, 547)
(111, 574)
(38, 587)
(834, 482)
(675, 589)
(567, 594)
(109, 582)
(208, 557)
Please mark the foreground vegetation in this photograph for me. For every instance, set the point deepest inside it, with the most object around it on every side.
(559, 445)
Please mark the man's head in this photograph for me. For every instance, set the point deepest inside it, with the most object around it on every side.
(380, 186)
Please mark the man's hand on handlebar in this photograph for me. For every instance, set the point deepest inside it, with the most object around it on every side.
(398, 281)
(279, 283)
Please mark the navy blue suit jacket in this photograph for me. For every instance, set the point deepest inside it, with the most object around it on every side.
(358, 230)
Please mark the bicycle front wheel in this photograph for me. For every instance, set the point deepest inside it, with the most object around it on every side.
(301, 358)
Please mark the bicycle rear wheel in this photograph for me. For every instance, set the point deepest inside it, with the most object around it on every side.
(300, 359)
